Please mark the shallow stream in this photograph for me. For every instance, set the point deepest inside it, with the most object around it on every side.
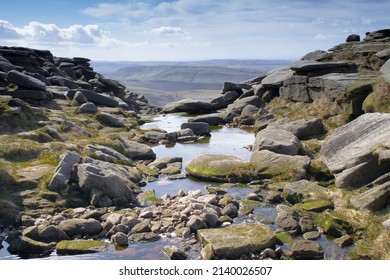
(223, 140)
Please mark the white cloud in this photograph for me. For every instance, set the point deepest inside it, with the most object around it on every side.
(167, 30)
(36, 32)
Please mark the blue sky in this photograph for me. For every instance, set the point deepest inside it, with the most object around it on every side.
(187, 29)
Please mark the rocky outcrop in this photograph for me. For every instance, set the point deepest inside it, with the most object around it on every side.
(385, 70)
(236, 240)
(357, 153)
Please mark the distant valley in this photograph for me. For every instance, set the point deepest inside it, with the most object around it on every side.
(163, 82)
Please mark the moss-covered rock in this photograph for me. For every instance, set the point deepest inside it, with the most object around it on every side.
(75, 247)
(28, 248)
(297, 192)
(284, 238)
(315, 205)
(213, 167)
(147, 198)
(333, 223)
(236, 240)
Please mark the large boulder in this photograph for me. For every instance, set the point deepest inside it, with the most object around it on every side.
(270, 164)
(296, 192)
(213, 167)
(96, 98)
(277, 140)
(108, 179)
(63, 172)
(82, 227)
(223, 101)
(305, 66)
(235, 240)
(211, 119)
(109, 120)
(52, 233)
(307, 250)
(25, 81)
(199, 128)
(107, 154)
(385, 70)
(28, 248)
(276, 77)
(303, 129)
(137, 151)
(358, 152)
(374, 199)
(188, 106)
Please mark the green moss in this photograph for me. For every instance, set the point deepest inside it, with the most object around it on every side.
(147, 198)
(284, 238)
(333, 223)
(315, 205)
(70, 247)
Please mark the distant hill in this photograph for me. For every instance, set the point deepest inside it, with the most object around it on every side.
(171, 78)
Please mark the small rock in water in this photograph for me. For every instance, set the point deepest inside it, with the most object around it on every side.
(312, 235)
(207, 252)
(174, 253)
(120, 239)
(344, 241)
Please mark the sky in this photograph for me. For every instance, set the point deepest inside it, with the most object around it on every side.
(177, 30)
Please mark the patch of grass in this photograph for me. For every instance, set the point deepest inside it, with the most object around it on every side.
(19, 150)
(379, 99)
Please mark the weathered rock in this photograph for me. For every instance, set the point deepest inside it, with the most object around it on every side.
(89, 108)
(236, 240)
(357, 153)
(312, 235)
(96, 98)
(277, 140)
(77, 247)
(230, 210)
(174, 253)
(195, 223)
(385, 54)
(304, 66)
(144, 237)
(26, 247)
(25, 81)
(112, 220)
(287, 219)
(63, 172)
(276, 77)
(143, 226)
(307, 250)
(353, 38)
(107, 154)
(270, 164)
(303, 129)
(213, 167)
(9, 213)
(52, 233)
(120, 239)
(299, 191)
(386, 224)
(207, 252)
(223, 101)
(238, 106)
(115, 181)
(80, 98)
(378, 34)
(211, 119)
(188, 106)
(138, 151)
(317, 55)
(306, 224)
(30, 94)
(83, 227)
(333, 224)
(385, 71)
(315, 205)
(374, 199)
(199, 128)
(109, 120)
(344, 241)
(295, 89)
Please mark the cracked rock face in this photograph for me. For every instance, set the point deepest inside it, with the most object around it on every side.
(358, 152)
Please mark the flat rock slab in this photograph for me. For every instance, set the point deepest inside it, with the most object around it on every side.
(357, 153)
(76, 247)
(236, 240)
(276, 77)
(312, 65)
(213, 167)
(189, 106)
(277, 140)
